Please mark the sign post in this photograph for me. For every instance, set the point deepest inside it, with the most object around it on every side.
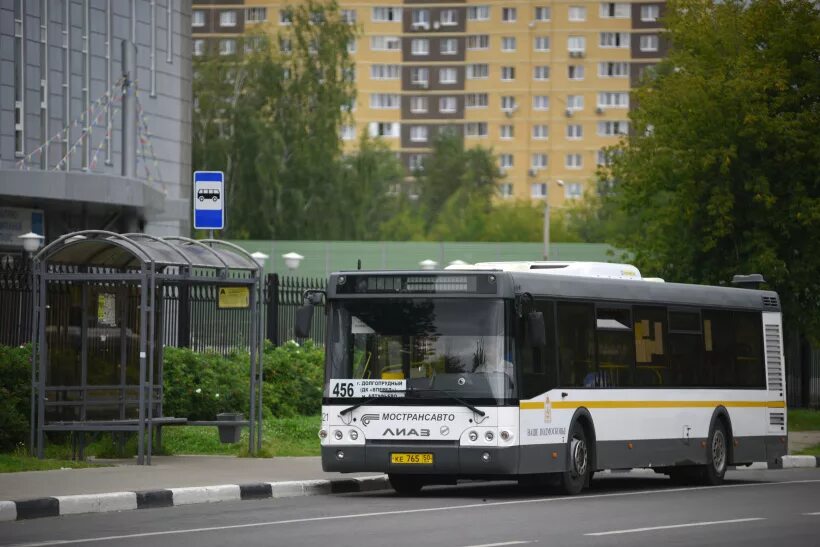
(209, 201)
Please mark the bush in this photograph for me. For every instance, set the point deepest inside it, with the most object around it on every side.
(293, 379)
(15, 391)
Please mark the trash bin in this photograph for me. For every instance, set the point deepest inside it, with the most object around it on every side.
(229, 433)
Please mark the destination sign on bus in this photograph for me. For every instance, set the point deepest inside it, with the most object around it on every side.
(418, 284)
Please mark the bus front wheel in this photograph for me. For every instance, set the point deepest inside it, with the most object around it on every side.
(578, 471)
(407, 485)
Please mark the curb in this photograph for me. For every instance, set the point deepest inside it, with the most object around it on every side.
(126, 501)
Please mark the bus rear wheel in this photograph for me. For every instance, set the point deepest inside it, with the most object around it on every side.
(407, 485)
(578, 471)
(717, 456)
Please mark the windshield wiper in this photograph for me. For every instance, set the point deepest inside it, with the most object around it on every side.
(411, 390)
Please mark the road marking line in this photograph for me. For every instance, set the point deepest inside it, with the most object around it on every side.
(688, 525)
(49, 543)
(812, 514)
(501, 544)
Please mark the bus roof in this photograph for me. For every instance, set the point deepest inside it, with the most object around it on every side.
(607, 270)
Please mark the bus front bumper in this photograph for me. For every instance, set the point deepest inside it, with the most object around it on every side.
(451, 460)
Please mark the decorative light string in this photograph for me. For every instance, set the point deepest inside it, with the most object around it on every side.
(145, 140)
(103, 99)
(96, 122)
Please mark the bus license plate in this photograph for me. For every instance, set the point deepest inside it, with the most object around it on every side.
(422, 459)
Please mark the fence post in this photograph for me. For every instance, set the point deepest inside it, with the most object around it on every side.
(184, 315)
(272, 303)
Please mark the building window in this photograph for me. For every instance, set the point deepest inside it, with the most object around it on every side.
(573, 190)
(538, 190)
(540, 102)
(614, 39)
(199, 47)
(615, 10)
(507, 73)
(604, 157)
(505, 161)
(419, 76)
(448, 46)
(505, 189)
(575, 131)
(649, 42)
(420, 46)
(573, 161)
(348, 16)
(509, 15)
(447, 76)
(541, 73)
(285, 45)
(448, 17)
(227, 46)
(418, 133)
(618, 99)
(478, 71)
(285, 16)
(575, 72)
(540, 131)
(476, 100)
(575, 102)
(421, 19)
(613, 128)
(388, 14)
(384, 129)
(507, 131)
(508, 103)
(198, 18)
(613, 70)
(385, 43)
(577, 13)
(418, 105)
(385, 72)
(508, 43)
(415, 162)
(543, 13)
(650, 12)
(478, 41)
(576, 44)
(538, 161)
(348, 132)
(254, 43)
(475, 129)
(542, 43)
(256, 15)
(227, 19)
(384, 100)
(478, 13)
(351, 45)
(447, 105)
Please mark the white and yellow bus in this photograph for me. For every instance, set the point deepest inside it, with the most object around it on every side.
(547, 372)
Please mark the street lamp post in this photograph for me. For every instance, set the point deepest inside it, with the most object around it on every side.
(31, 243)
(261, 259)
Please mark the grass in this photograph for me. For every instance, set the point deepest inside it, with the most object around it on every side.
(811, 451)
(803, 419)
(14, 463)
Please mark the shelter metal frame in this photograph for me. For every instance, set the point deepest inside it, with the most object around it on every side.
(148, 262)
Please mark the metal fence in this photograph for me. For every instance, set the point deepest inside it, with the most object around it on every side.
(16, 307)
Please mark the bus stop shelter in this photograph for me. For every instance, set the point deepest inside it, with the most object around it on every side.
(99, 322)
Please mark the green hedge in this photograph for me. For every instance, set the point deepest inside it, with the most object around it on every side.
(197, 386)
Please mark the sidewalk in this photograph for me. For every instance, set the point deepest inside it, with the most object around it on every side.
(165, 472)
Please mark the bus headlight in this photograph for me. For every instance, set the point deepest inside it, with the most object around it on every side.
(322, 434)
(489, 436)
(354, 434)
(505, 435)
(473, 436)
(338, 434)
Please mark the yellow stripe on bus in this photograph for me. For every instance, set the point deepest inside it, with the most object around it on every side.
(535, 405)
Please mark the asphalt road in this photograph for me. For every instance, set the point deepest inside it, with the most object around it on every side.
(752, 508)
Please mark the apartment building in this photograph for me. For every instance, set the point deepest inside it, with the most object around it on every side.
(545, 84)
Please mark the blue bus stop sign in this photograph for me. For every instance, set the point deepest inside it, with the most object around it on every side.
(209, 200)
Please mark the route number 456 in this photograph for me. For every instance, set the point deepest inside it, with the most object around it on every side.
(343, 389)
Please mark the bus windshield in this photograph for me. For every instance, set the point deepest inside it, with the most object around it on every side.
(436, 347)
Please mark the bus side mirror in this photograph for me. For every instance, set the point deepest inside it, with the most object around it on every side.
(303, 320)
(536, 330)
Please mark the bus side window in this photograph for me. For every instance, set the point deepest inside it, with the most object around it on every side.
(651, 367)
(750, 370)
(616, 351)
(576, 350)
(719, 345)
(685, 349)
(538, 372)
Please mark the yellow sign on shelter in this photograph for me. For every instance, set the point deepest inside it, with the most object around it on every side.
(233, 297)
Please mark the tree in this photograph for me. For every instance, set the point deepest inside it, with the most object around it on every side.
(722, 170)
